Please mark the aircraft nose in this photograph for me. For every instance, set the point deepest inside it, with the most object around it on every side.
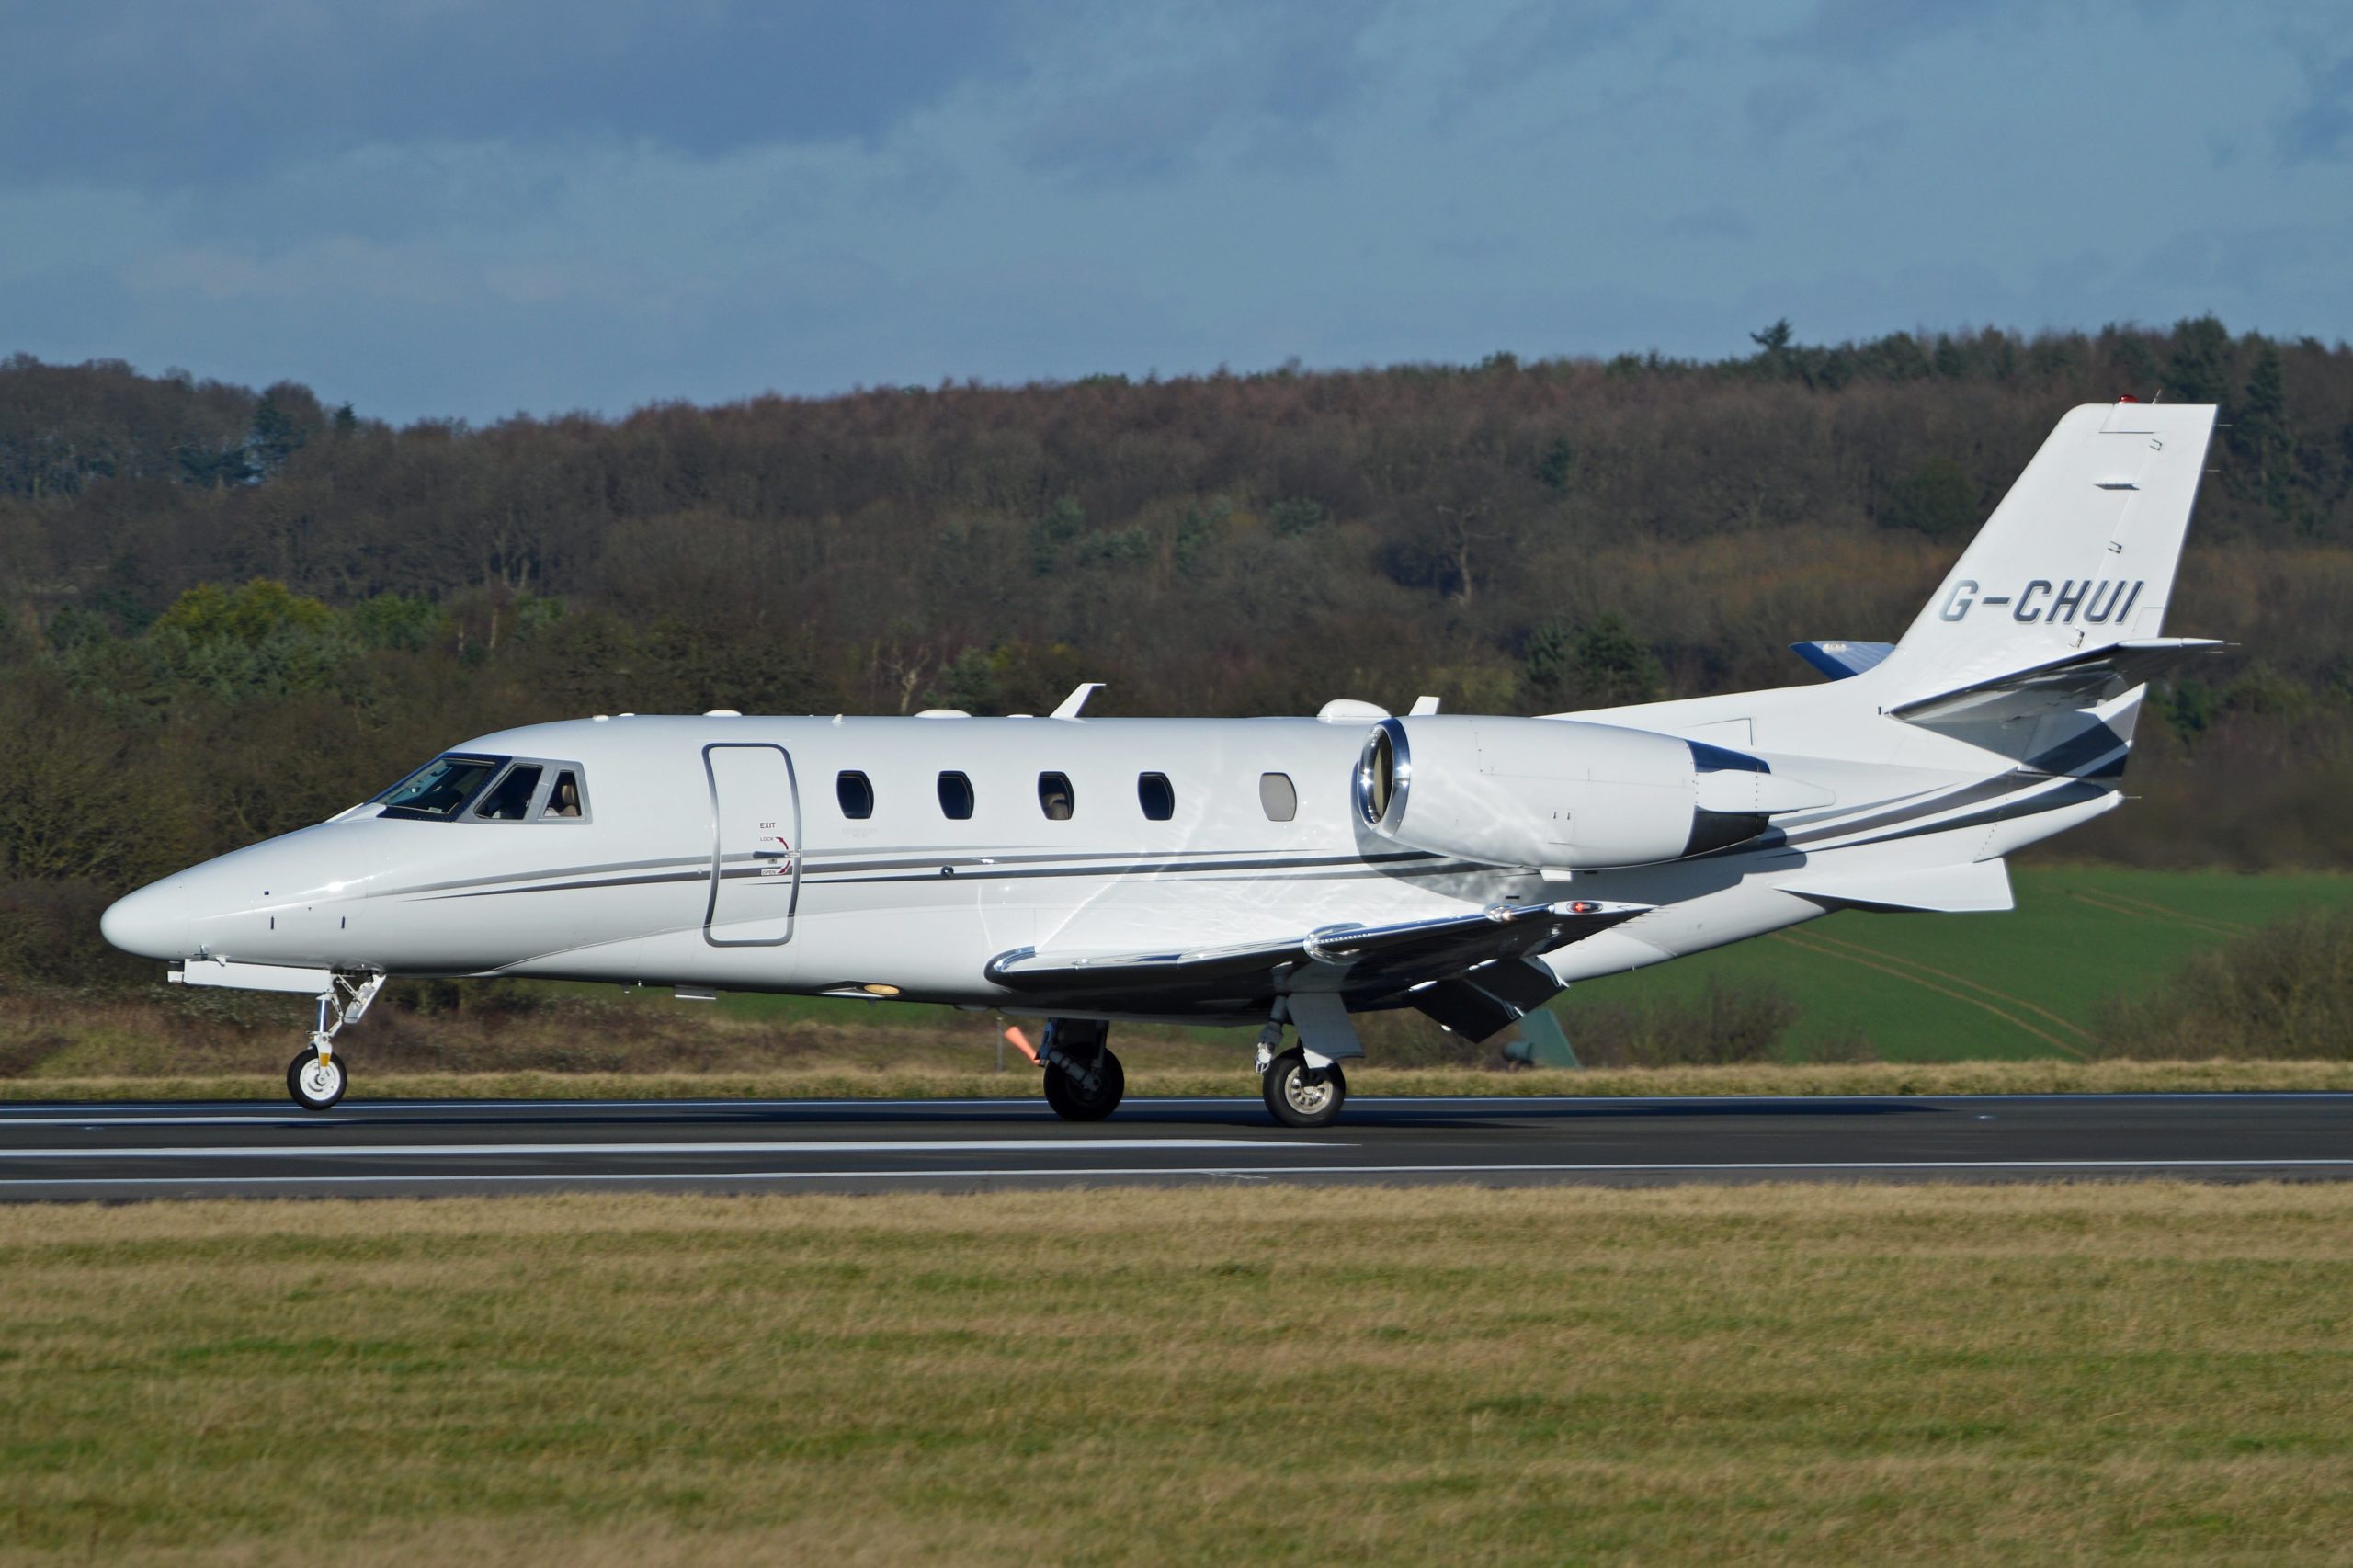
(152, 922)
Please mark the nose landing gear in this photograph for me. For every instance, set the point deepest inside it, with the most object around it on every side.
(316, 1078)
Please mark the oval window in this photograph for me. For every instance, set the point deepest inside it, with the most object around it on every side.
(955, 797)
(1055, 797)
(856, 793)
(1277, 796)
(1157, 795)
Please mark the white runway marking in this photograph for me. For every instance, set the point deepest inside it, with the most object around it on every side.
(1221, 1171)
(829, 1146)
(279, 1119)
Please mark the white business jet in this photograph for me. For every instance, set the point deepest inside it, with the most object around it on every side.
(1282, 873)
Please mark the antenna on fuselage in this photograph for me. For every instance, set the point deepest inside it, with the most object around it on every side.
(1069, 706)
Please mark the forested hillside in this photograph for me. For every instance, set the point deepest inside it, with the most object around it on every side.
(232, 612)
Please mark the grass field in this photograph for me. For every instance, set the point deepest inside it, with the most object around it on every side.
(1771, 1374)
(1958, 987)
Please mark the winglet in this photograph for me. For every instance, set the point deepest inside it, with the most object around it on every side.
(1069, 706)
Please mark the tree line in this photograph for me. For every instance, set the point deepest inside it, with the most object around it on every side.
(233, 611)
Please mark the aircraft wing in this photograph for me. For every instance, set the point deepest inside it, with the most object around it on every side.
(1364, 964)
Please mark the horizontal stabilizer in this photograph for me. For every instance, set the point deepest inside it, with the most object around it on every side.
(1840, 658)
(1976, 887)
(2079, 680)
(1357, 961)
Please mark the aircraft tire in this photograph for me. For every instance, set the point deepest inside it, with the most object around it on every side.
(314, 1090)
(1299, 1096)
(1071, 1105)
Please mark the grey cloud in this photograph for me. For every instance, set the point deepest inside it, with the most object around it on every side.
(1870, 31)
(164, 92)
(1269, 79)
(1713, 223)
(1776, 108)
(2319, 128)
(1539, 36)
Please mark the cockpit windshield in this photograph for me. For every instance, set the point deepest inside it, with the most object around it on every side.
(441, 787)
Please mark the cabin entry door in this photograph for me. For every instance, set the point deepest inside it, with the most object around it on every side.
(755, 846)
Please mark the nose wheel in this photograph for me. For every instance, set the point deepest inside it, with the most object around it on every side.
(316, 1084)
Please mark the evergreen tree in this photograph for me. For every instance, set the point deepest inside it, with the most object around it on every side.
(1600, 664)
(2201, 369)
(2259, 434)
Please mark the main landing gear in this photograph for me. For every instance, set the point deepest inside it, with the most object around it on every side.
(1303, 1088)
(1084, 1080)
(317, 1078)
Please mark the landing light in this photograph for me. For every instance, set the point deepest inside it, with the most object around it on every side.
(880, 990)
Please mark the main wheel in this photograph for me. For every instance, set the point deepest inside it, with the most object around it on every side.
(1301, 1096)
(1071, 1100)
(317, 1084)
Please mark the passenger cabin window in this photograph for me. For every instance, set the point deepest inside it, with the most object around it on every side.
(441, 787)
(1278, 797)
(857, 795)
(564, 800)
(956, 796)
(1157, 795)
(510, 798)
(1055, 797)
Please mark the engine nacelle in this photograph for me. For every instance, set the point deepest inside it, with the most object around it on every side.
(1558, 793)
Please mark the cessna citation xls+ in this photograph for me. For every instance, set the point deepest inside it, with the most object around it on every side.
(1281, 873)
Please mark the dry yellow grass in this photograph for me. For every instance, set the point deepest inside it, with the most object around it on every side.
(851, 1082)
(1774, 1374)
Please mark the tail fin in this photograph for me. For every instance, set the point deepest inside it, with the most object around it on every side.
(2080, 554)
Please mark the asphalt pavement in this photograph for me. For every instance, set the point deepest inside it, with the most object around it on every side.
(114, 1152)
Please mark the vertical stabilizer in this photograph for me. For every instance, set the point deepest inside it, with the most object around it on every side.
(2080, 554)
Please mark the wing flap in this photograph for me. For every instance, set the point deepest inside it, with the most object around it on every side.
(1351, 960)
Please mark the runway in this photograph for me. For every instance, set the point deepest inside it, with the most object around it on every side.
(117, 1152)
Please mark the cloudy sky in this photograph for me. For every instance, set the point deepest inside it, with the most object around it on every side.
(435, 208)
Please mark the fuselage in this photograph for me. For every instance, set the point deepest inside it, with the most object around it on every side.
(890, 856)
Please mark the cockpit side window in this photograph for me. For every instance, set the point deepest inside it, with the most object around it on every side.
(440, 789)
(564, 800)
(510, 798)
